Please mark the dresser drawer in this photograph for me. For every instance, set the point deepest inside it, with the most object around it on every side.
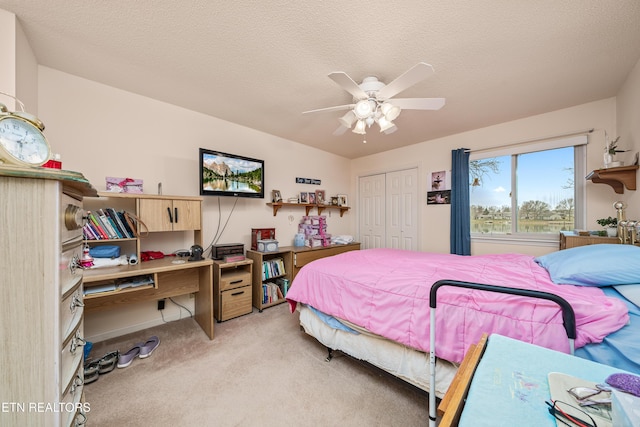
(235, 302)
(234, 279)
(69, 270)
(71, 309)
(71, 354)
(71, 398)
(71, 219)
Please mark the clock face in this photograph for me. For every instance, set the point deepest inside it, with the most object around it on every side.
(21, 142)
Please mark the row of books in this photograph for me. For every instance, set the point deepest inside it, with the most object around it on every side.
(104, 224)
(273, 268)
(272, 292)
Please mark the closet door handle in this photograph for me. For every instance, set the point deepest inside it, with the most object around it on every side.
(170, 217)
(175, 214)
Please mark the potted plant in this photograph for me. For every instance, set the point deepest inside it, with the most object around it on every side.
(610, 150)
(611, 226)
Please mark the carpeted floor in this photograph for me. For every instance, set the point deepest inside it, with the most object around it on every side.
(260, 370)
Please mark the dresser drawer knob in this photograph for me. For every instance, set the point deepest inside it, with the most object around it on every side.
(76, 342)
(77, 382)
(76, 301)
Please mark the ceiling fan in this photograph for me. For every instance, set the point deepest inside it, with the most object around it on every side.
(373, 101)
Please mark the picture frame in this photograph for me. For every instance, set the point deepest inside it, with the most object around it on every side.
(320, 197)
(334, 200)
(276, 196)
(312, 197)
(304, 197)
(342, 200)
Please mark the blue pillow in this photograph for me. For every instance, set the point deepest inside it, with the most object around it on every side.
(594, 265)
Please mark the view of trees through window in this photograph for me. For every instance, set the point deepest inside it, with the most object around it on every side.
(523, 193)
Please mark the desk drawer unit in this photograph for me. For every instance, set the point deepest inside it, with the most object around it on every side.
(235, 302)
(232, 289)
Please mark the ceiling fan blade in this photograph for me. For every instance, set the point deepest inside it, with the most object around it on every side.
(340, 130)
(328, 109)
(347, 83)
(418, 103)
(418, 72)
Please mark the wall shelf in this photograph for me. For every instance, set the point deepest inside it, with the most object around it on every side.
(618, 178)
(307, 206)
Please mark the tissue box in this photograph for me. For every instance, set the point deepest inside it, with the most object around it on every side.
(625, 409)
(124, 185)
(268, 245)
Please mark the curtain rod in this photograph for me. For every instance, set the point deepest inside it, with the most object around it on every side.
(529, 141)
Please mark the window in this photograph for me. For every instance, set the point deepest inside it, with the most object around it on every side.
(528, 192)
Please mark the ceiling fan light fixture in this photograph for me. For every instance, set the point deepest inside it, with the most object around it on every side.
(348, 119)
(369, 121)
(385, 124)
(364, 108)
(360, 128)
(390, 111)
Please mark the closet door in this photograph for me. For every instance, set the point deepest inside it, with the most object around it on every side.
(402, 209)
(372, 211)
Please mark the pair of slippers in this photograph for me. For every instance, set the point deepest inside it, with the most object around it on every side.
(106, 364)
(141, 350)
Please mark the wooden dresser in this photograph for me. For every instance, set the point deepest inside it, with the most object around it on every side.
(569, 239)
(41, 322)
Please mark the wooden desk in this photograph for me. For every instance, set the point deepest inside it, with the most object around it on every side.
(169, 280)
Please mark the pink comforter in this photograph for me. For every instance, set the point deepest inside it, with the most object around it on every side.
(386, 291)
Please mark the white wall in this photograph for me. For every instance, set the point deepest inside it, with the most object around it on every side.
(8, 24)
(628, 109)
(102, 131)
(435, 155)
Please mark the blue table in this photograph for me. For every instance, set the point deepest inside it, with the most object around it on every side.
(510, 385)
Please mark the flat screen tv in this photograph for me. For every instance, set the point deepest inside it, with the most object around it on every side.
(223, 174)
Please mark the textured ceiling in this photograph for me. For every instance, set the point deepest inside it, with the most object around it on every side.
(261, 63)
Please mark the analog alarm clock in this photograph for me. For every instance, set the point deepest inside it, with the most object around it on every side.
(22, 142)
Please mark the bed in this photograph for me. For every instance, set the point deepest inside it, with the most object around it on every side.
(374, 305)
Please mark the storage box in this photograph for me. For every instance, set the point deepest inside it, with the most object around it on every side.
(124, 185)
(260, 234)
(268, 245)
(229, 249)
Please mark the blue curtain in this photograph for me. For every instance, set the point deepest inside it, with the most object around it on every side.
(460, 216)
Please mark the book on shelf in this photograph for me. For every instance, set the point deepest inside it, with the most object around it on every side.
(108, 225)
(273, 268)
(131, 224)
(123, 219)
(283, 284)
(271, 293)
(117, 222)
(88, 233)
(97, 225)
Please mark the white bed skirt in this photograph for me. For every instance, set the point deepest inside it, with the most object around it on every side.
(399, 360)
